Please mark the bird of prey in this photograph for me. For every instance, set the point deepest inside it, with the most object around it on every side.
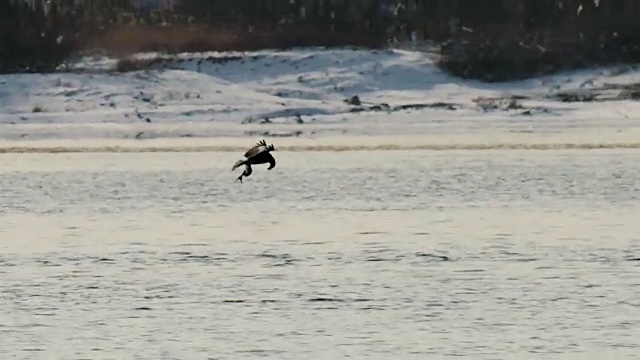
(258, 154)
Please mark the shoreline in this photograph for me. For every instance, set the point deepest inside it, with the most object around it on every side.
(450, 142)
(308, 95)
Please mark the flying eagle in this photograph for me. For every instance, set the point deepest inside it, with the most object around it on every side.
(258, 154)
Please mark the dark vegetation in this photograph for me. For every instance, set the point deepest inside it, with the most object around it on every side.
(32, 41)
(490, 40)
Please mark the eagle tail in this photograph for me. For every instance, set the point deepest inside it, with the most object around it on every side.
(237, 164)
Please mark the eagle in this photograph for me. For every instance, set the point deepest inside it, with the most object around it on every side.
(260, 153)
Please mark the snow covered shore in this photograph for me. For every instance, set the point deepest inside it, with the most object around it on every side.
(312, 99)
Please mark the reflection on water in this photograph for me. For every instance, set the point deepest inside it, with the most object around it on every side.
(389, 254)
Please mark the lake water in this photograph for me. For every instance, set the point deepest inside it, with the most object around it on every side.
(363, 254)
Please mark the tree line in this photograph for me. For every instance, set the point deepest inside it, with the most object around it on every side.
(36, 35)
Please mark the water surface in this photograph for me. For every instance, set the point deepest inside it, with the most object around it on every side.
(368, 254)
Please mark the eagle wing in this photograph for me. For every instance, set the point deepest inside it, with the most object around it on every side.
(260, 147)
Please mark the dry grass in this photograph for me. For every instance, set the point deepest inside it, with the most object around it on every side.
(134, 64)
(127, 40)
(124, 41)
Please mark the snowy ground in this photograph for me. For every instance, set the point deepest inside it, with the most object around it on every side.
(209, 100)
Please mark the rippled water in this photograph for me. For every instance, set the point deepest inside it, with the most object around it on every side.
(388, 255)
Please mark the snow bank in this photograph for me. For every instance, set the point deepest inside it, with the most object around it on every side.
(207, 98)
